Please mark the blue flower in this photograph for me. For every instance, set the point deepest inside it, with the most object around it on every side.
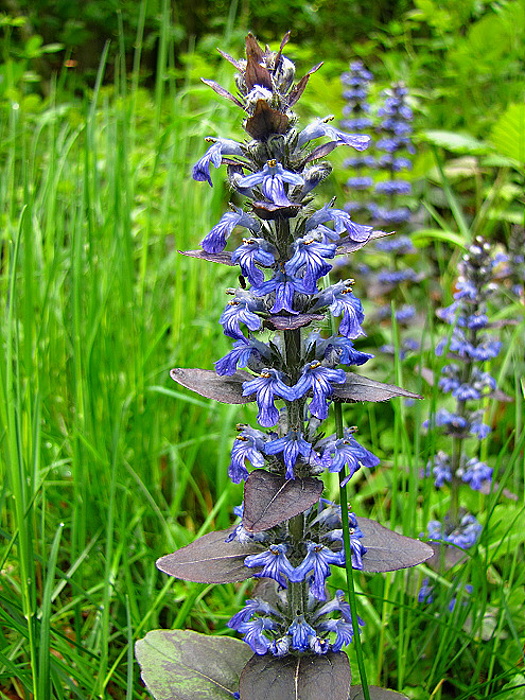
(253, 631)
(318, 379)
(215, 241)
(292, 445)
(275, 564)
(241, 309)
(340, 350)
(220, 147)
(284, 287)
(251, 608)
(317, 560)
(441, 470)
(341, 452)
(342, 223)
(308, 261)
(240, 355)
(475, 473)
(464, 534)
(343, 630)
(254, 250)
(340, 300)
(301, 633)
(272, 178)
(266, 387)
(321, 128)
(248, 445)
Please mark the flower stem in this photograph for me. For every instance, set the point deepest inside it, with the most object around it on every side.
(352, 598)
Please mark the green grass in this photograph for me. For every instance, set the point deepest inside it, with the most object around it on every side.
(106, 464)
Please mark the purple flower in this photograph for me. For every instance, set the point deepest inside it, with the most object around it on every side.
(240, 355)
(220, 147)
(342, 222)
(318, 379)
(215, 241)
(463, 534)
(308, 261)
(340, 300)
(275, 564)
(341, 452)
(251, 608)
(272, 178)
(440, 469)
(240, 310)
(284, 287)
(253, 631)
(475, 473)
(292, 445)
(248, 445)
(301, 633)
(253, 250)
(317, 560)
(340, 350)
(267, 386)
(343, 630)
(321, 128)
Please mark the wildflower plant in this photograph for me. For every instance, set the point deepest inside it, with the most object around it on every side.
(469, 347)
(292, 349)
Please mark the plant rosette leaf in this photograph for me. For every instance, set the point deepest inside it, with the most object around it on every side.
(306, 677)
(388, 550)
(356, 693)
(186, 665)
(269, 499)
(209, 384)
(210, 559)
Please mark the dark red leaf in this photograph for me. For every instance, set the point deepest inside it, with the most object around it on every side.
(209, 384)
(347, 247)
(296, 92)
(269, 499)
(266, 121)
(267, 210)
(210, 560)
(222, 92)
(255, 73)
(308, 677)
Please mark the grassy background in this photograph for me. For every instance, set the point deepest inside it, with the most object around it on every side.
(108, 465)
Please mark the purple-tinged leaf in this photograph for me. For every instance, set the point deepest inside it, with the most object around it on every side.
(225, 258)
(270, 211)
(290, 323)
(207, 383)
(322, 151)
(230, 59)
(266, 121)
(307, 677)
(445, 557)
(186, 665)
(346, 246)
(222, 92)
(255, 73)
(359, 388)
(389, 551)
(210, 559)
(296, 92)
(269, 499)
(356, 693)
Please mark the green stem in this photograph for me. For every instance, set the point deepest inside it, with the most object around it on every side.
(352, 598)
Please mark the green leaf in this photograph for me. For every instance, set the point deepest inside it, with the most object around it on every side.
(508, 133)
(186, 665)
(356, 693)
(421, 238)
(456, 143)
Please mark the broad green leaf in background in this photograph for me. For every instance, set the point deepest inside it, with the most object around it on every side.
(508, 133)
(186, 665)
(456, 143)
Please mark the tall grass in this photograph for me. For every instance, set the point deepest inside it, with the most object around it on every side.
(107, 465)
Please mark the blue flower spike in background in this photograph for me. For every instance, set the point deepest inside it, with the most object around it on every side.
(294, 362)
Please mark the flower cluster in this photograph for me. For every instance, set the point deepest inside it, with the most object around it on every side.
(469, 346)
(293, 364)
